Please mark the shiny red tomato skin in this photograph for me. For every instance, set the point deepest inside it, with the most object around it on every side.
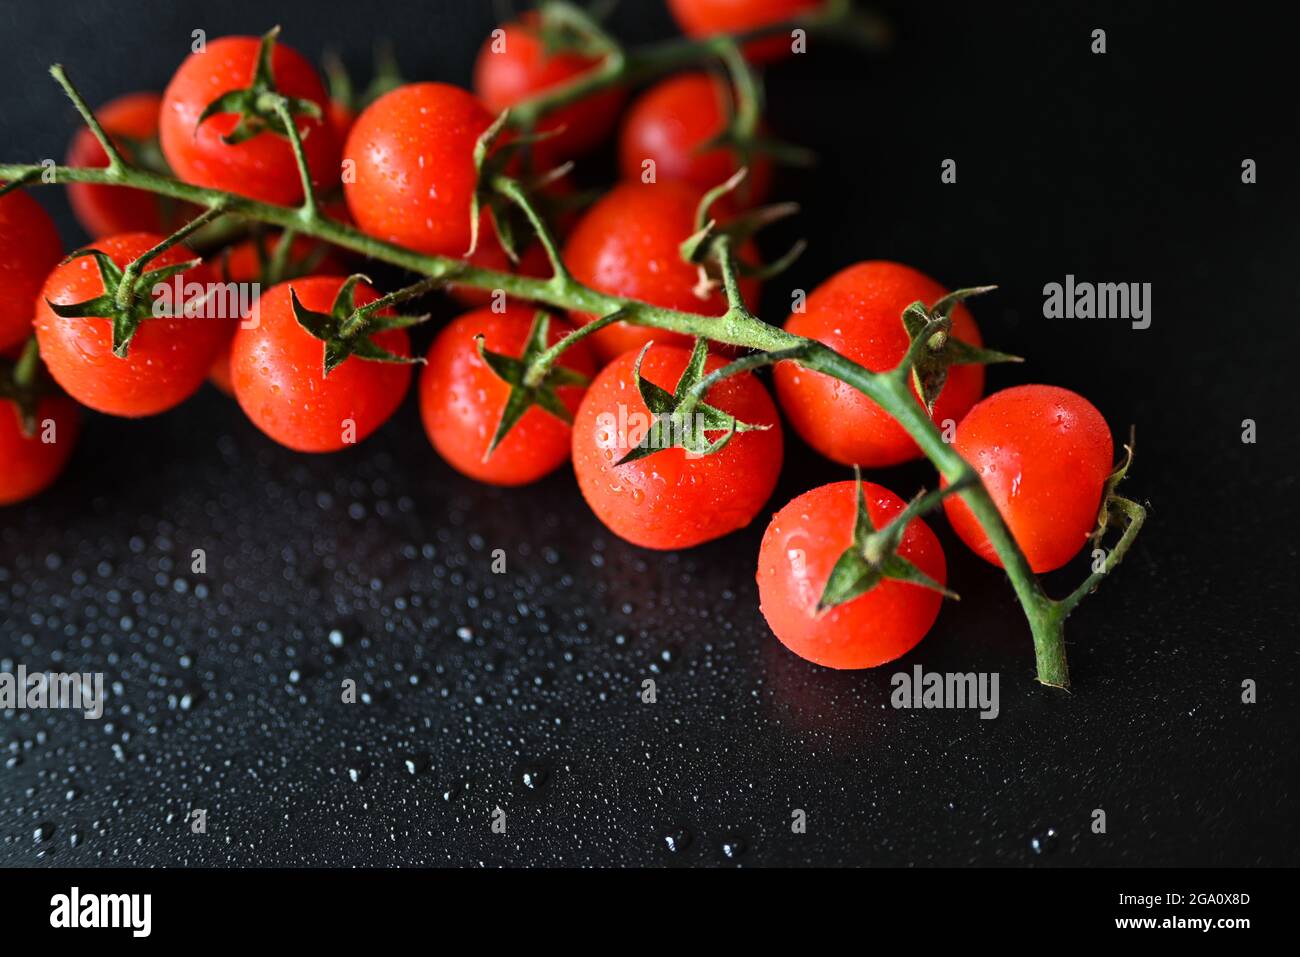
(414, 154)
(629, 244)
(30, 464)
(263, 167)
(800, 547)
(669, 500)
(107, 210)
(29, 248)
(858, 312)
(168, 358)
(700, 18)
(670, 123)
(279, 378)
(461, 399)
(1044, 453)
(516, 66)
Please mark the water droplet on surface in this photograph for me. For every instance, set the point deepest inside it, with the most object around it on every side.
(1044, 843)
(677, 839)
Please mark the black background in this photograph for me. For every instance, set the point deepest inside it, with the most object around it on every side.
(1119, 167)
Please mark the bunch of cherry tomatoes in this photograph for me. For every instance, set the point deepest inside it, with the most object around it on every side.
(1044, 453)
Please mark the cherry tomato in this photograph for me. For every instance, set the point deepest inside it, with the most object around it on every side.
(461, 399)
(262, 167)
(670, 124)
(168, 358)
(858, 312)
(243, 263)
(671, 499)
(1044, 454)
(516, 65)
(414, 154)
(32, 462)
(280, 382)
(801, 546)
(29, 249)
(701, 18)
(629, 244)
(131, 121)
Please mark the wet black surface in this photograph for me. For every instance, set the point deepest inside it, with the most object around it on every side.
(522, 691)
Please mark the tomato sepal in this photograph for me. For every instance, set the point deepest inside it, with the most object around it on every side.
(704, 250)
(328, 327)
(119, 301)
(258, 104)
(873, 556)
(527, 389)
(496, 192)
(933, 350)
(681, 419)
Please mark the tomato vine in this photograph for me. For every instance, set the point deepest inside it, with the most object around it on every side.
(737, 326)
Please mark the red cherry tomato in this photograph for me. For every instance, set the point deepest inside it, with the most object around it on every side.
(515, 66)
(262, 167)
(132, 123)
(280, 382)
(701, 18)
(461, 399)
(32, 462)
(168, 357)
(1044, 454)
(29, 249)
(858, 312)
(242, 263)
(414, 154)
(669, 499)
(670, 124)
(801, 546)
(629, 244)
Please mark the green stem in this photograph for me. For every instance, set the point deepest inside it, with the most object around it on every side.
(131, 274)
(891, 393)
(1134, 515)
(539, 368)
(116, 165)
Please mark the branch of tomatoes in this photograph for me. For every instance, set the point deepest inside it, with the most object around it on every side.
(712, 249)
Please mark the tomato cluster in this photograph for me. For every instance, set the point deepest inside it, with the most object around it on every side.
(848, 575)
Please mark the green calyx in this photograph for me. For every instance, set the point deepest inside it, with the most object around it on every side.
(121, 301)
(532, 378)
(258, 104)
(346, 329)
(1115, 509)
(701, 247)
(24, 382)
(934, 349)
(873, 556)
(497, 192)
(682, 419)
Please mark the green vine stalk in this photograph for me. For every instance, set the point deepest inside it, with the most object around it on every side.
(737, 326)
